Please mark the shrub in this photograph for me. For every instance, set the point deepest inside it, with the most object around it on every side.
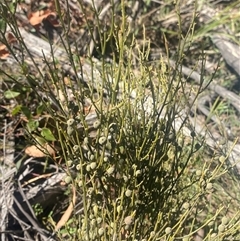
(135, 167)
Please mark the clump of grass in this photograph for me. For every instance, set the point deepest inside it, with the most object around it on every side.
(138, 176)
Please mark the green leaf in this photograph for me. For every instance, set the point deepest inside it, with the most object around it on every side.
(39, 140)
(40, 109)
(18, 164)
(47, 134)
(10, 94)
(25, 110)
(32, 125)
(3, 26)
(12, 7)
(16, 110)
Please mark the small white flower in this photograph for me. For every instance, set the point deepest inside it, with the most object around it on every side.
(75, 148)
(128, 220)
(70, 122)
(100, 231)
(70, 130)
(93, 165)
(110, 170)
(128, 193)
(102, 140)
(168, 230)
(96, 124)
